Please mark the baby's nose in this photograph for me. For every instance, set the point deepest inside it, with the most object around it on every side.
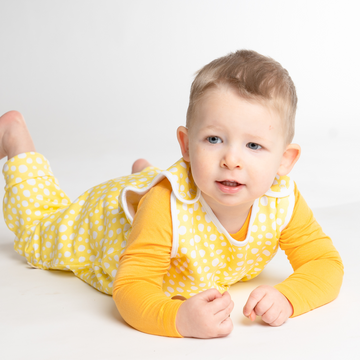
(231, 160)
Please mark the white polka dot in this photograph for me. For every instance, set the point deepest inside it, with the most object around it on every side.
(183, 250)
(22, 156)
(92, 258)
(48, 244)
(31, 181)
(254, 251)
(269, 236)
(250, 261)
(39, 160)
(273, 225)
(13, 168)
(202, 253)
(41, 173)
(23, 168)
(266, 252)
(201, 227)
(264, 200)
(25, 203)
(215, 262)
(279, 221)
(46, 192)
(212, 237)
(193, 254)
(26, 193)
(262, 218)
(67, 254)
(62, 228)
(81, 231)
(94, 235)
(6, 167)
(254, 228)
(182, 230)
(107, 265)
(272, 204)
(81, 248)
(19, 180)
(37, 213)
(29, 161)
(81, 259)
(110, 251)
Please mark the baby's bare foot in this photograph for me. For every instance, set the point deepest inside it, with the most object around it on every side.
(14, 135)
(139, 165)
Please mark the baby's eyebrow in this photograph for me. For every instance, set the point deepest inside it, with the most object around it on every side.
(212, 127)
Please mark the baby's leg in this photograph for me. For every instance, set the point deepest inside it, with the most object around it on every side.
(32, 193)
(14, 135)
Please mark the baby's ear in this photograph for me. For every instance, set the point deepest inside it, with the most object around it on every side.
(290, 157)
(183, 139)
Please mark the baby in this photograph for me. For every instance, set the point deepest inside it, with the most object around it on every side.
(168, 244)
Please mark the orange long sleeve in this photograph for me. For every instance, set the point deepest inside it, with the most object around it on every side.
(138, 291)
(137, 288)
(318, 269)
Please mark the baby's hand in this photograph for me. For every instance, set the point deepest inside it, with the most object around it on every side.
(269, 303)
(205, 315)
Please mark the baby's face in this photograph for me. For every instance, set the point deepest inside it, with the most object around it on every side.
(235, 148)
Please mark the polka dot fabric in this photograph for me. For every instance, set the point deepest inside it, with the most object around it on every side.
(206, 256)
(88, 235)
(85, 236)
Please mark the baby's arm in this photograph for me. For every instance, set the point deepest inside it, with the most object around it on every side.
(318, 270)
(138, 290)
(138, 284)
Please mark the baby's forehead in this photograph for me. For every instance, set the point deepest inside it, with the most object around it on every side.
(228, 100)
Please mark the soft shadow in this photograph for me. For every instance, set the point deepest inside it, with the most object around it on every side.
(7, 249)
(113, 313)
(247, 322)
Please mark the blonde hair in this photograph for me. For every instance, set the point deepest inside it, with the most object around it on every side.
(256, 77)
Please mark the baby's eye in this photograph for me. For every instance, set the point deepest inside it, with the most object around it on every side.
(253, 146)
(214, 140)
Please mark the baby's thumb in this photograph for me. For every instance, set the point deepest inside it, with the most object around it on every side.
(210, 295)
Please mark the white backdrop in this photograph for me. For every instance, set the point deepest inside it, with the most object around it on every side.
(105, 82)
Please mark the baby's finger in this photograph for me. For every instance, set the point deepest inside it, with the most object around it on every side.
(255, 297)
(270, 315)
(210, 295)
(221, 304)
(222, 315)
(225, 327)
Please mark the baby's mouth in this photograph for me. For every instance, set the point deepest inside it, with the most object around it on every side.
(229, 183)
